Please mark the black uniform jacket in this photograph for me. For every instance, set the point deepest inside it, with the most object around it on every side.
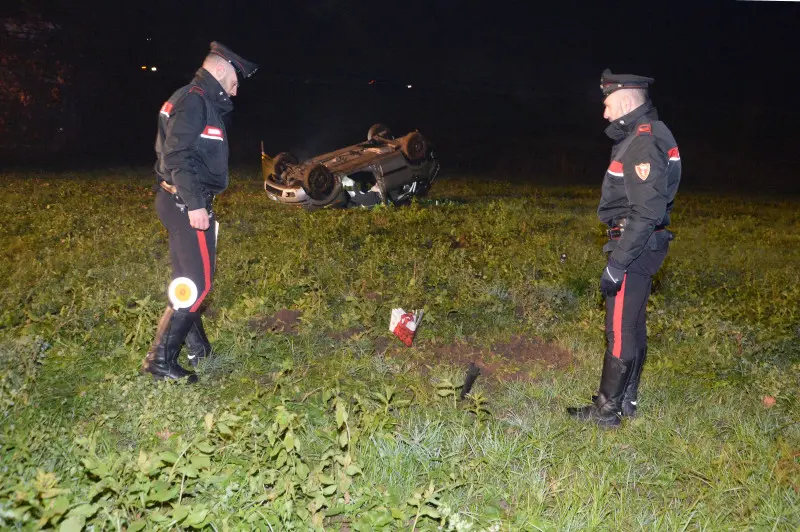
(192, 144)
(640, 183)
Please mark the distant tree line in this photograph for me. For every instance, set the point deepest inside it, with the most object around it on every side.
(37, 113)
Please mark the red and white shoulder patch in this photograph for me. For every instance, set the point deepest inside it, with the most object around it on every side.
(615, 168)
(674, 154)
(166, 109)
(644, 129)
(212, 132)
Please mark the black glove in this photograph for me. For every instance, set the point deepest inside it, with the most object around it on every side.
(611, 280)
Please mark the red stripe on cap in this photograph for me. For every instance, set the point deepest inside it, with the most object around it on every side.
(618, 86)
(619, 304)
(203, 245)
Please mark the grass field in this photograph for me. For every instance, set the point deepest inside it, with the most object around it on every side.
(312, 415)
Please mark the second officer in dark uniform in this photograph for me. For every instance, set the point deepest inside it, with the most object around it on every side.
(637, 197)
(191, 168)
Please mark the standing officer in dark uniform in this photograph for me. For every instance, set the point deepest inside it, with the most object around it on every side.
(192, 167)
(638, 193)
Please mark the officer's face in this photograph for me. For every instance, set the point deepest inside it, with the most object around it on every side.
(229, 81)
(614, 103)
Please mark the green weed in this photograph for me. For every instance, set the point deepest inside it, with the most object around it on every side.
(331, 423)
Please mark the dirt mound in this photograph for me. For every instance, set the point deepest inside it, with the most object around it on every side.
(283, 321)
(520, 358)
(346, 334)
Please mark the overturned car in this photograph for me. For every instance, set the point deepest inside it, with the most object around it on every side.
(384, 169)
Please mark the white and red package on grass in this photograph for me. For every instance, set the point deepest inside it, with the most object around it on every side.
(404, 324)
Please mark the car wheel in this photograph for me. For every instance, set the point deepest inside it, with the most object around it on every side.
(318, 181)
(414, 146)
(379, 130)
(339, 202)
(280, 164)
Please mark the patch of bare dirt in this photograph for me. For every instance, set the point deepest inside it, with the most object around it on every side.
(284, 321)
(534, 349)
(520, 358)
(460, 242)
(381, 345)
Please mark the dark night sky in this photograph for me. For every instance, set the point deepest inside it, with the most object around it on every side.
(496, 67)
(724, 48)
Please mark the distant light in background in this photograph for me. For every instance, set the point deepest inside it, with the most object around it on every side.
(408, 86)
(153, 69)
(144, 67)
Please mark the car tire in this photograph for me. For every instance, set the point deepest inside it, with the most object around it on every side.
(338, 202)
(414, 146)
(280, 164)
(318, 181)
(379, 130)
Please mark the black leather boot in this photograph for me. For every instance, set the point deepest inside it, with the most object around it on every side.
(155, 357)
(629, 400)
(606, 409)
(197, 343)
(162, 358)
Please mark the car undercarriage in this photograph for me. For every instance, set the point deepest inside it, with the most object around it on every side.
(383, 169)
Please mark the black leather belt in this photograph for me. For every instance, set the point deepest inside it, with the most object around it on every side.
(172, 189)
(615, 232)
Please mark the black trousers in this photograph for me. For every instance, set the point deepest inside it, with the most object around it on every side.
(626, 313)
(192, 252)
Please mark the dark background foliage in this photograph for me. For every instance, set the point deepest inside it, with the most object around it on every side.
(505, 88)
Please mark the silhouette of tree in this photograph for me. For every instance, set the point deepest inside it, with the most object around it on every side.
(36, 114)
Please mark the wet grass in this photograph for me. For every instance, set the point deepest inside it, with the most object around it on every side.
(83, 275)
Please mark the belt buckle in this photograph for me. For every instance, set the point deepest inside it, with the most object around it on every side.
(172, 189)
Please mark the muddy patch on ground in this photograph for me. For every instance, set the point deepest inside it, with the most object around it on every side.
(381, 345)
(284, 321)
(521, 358)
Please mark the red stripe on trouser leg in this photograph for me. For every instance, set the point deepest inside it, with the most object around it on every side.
(619, 304)
(203, 245)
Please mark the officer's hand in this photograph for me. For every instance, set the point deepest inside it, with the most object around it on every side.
(611, 280)
(198, 219)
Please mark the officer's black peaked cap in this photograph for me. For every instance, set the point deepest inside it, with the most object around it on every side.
(242, 66)
(613, 82)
